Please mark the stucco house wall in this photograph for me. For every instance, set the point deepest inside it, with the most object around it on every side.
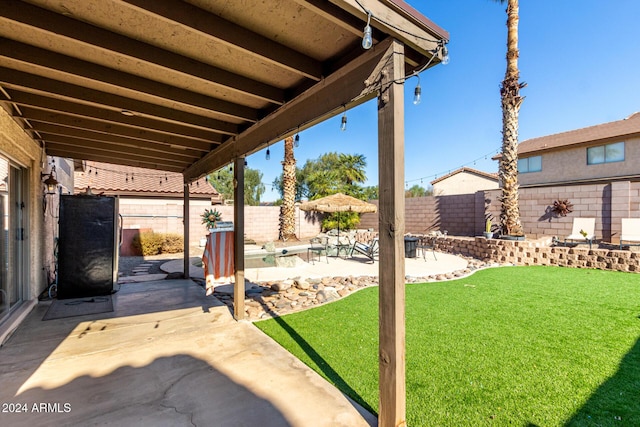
(570, 164)
(564, 155)
(464, 181)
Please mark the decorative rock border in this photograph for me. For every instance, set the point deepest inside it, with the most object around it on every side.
(264, 300)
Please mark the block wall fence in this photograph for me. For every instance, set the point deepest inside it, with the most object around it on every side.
(262, 223)
(463, 215)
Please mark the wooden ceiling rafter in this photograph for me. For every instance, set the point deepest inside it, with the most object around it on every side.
(194, 83)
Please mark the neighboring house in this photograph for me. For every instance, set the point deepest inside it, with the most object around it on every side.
(148, 199)
(605, 152)
(464, 181)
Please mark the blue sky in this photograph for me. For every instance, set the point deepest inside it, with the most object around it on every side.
(579, 59)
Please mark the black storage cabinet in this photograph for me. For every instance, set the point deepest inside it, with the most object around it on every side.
(87, 246)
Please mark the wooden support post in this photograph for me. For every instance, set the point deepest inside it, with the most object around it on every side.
(392, 409)
(185, 222)
(238, 251)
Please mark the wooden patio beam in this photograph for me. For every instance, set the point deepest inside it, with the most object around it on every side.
(98, 77)
(14, 79)
(202, 138)
(56, 25)
(392, 357)
(188, 146)
(65, 151)
(238, 235)
(115, 142)
(346, 88)
(233, 36)
(186, 264)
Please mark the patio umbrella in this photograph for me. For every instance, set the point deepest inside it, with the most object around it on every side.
(338, 203)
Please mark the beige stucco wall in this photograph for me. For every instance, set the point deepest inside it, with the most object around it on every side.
(16, 145)
(571, 165)
(463, 183)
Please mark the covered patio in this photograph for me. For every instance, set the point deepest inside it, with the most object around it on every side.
(193, 86)
(155, 363)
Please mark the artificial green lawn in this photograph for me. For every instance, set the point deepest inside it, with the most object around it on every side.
(523, 346)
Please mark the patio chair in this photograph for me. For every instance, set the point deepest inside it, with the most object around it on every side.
(425, 243)
(630, 232)
(583, 230)
(370, 250)
(318, 246)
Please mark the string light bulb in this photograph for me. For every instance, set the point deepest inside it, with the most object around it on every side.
(445, 55)
(367, 40)
(417, 93)
(268, 155)
(296, 141)
(343, 124)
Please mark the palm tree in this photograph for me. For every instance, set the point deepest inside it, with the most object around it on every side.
(352, 168)
(511, 101)
(287, 210)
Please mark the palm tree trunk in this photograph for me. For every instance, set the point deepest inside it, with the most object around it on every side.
(287, 210)
(511, 101)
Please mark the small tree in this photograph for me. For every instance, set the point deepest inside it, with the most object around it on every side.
(222, 180)
(418, 191)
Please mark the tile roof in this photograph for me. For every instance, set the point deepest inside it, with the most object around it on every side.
(130, 181)
(493, 176)
(618, 129)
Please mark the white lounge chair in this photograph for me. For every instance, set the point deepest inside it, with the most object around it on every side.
(630, 232)
(583, 230)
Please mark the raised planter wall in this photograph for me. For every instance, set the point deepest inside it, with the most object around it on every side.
(540, 252)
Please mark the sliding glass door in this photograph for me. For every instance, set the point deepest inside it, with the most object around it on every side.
(13, 212)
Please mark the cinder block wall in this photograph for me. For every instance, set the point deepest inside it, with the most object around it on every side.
(463, 215)
(262, 223)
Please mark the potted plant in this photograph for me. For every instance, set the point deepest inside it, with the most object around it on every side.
(488, 234)
(210, 217)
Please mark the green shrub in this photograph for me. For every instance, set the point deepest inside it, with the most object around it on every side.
(348, 220)
(151, 243)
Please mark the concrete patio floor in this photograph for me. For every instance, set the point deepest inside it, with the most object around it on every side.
(357, 265)
(166, 356)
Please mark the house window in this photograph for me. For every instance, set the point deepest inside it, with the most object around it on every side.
(530, 164)
(605, 153)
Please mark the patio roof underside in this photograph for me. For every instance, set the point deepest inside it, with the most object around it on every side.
(187, 86)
